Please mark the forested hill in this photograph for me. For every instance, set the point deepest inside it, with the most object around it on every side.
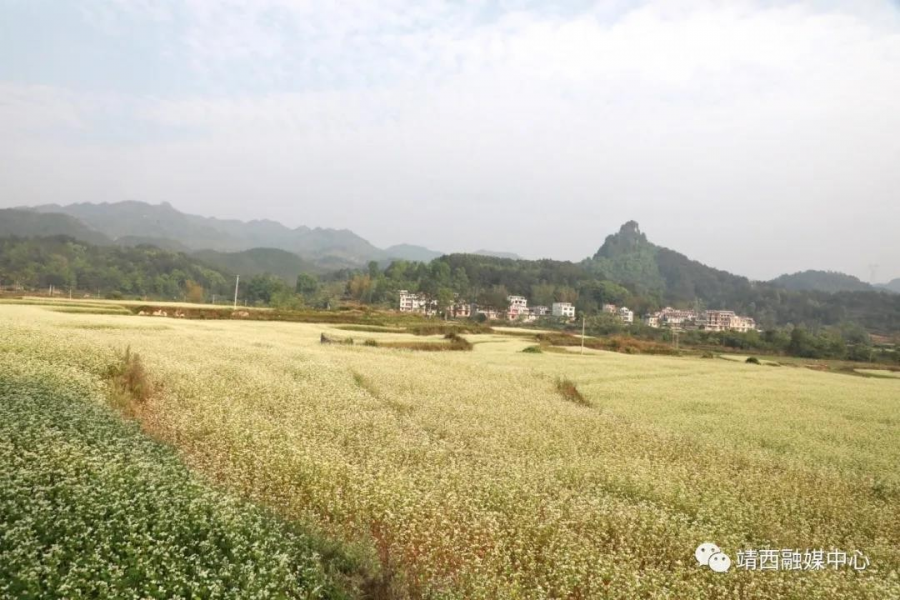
(256, 261)
(628, 269)
(891, 286)
(66, 263)
(25, 223)
(668, 277)
(822, 281)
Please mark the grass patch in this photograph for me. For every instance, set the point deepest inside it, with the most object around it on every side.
(569, 391)
(882, 373)
(452, 343)
(92, 508)
(448, 328)
(623, 344)
(88, 310)
(327, 339)
(130, 387)
(364, 383)
(533, 350)
(371, 328)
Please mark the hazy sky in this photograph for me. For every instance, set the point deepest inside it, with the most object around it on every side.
(758, 137)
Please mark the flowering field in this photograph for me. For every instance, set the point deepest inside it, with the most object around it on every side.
(469, 475)
(92, 508)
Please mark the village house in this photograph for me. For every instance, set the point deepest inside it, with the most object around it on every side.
(518, 307)
(417, 303)
(623, 313)
(673, 318)
(540, 311)
(710, 320)
(460, 310)
(563, 309)
(727, 320)
(409, 302)
(489, 313)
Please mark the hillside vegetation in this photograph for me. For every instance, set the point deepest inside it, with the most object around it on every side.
(822, 281)
(257, 261)
(24, 223)
(626, 270)
(65, 263)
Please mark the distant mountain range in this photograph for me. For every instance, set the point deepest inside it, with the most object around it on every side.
(627, 265)
(251, 247)
(891, 286)
(27, 224)
(496, 254)
(133, 223)
(162, 224)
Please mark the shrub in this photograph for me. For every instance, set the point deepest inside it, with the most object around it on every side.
(533, 350)
(130, 386)
(370, 342)
(752, 360)
(569, 391)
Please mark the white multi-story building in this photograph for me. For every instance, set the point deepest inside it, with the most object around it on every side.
(417, 303)
(408, 302)
(718, 320)
(743, 324)
(626, 315)
(460, 310)
(726, 320)
(563, 309)
(672, 318)
(518, 307)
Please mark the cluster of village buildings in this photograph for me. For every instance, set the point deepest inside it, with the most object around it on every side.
(518, 310)
(708, 320)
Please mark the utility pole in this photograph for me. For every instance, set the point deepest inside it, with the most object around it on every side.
(582, 333)
(236, 283)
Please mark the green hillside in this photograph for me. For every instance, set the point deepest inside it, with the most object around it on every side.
(25, 223)
(822, 281)
(66, 263)
(256, 261)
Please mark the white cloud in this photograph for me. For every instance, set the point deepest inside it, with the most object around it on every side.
(757, 125)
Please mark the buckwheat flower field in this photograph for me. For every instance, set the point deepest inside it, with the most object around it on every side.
(457, 474)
